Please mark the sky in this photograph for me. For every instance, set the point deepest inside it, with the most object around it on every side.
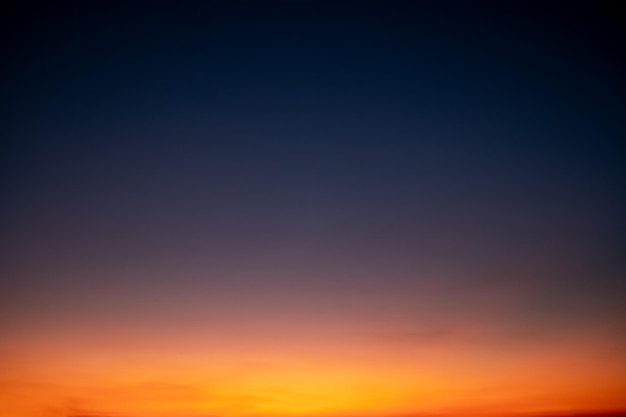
(286, 209)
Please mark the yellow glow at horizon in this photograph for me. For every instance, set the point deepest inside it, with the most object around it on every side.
(251, 376)
(304, 385)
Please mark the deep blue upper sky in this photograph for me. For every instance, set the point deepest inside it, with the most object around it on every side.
(480, 138)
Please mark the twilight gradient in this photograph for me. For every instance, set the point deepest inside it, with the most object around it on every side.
(278, 210)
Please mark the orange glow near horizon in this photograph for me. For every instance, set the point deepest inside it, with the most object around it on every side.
(273, 377)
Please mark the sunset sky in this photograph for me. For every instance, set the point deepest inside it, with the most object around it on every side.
(319, 209)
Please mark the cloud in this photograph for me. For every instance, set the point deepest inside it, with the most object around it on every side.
(427, 337)
(164, 391)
